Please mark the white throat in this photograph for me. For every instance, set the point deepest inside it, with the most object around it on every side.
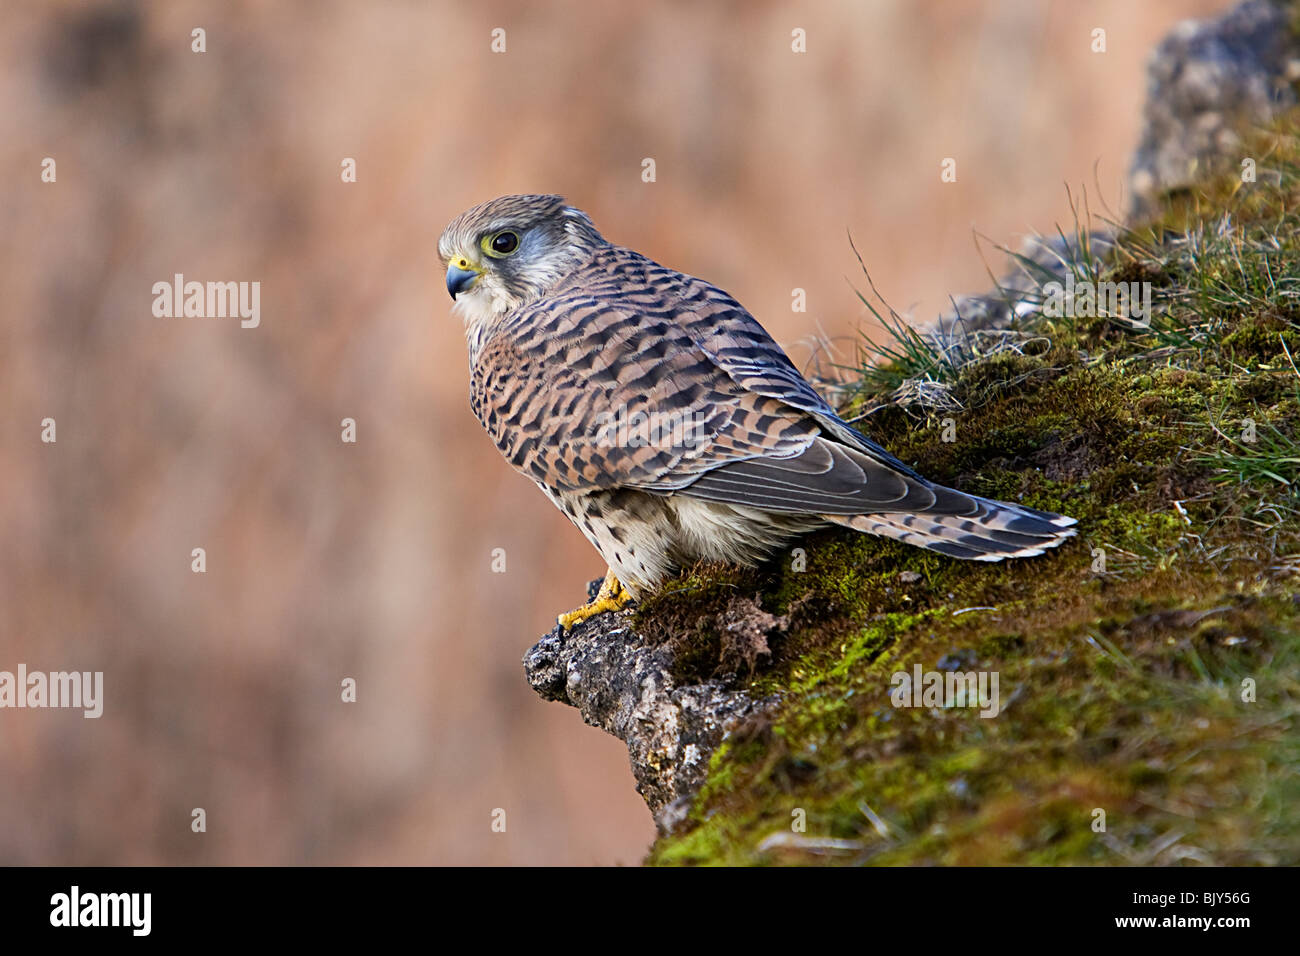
(480, 309)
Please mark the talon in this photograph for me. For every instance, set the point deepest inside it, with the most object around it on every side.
(612, 596)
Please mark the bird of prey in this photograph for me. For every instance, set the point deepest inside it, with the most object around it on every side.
(657, 413)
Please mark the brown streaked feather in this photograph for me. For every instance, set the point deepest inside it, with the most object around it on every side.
(552, 380)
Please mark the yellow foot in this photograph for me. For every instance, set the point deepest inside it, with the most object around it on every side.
(612, 596)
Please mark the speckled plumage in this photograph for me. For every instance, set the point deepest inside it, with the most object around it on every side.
(664, 421)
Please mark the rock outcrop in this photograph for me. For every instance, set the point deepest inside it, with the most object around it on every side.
(1204, 81)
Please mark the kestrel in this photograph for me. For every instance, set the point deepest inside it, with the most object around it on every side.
(657, 414)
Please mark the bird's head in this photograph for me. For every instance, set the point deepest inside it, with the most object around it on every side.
(510, 251)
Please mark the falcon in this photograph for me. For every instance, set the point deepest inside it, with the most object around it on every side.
(656, 412)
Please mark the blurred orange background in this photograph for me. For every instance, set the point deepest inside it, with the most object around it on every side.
(373, 560)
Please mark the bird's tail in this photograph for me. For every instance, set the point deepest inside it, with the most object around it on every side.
(993, 531)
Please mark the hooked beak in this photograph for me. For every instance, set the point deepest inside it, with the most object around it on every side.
(461, 276)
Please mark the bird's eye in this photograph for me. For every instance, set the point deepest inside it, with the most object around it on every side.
(501, 244)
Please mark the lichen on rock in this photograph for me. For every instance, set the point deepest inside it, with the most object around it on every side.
(625, 684)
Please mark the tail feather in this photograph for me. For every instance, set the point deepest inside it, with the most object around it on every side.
(995, 531)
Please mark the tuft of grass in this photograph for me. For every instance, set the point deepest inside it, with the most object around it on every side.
(901, 355)
(1270, 456)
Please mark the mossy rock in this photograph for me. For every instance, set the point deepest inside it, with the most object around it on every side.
(1149, 670)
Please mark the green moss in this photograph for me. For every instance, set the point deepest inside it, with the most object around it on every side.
(1123, 658)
